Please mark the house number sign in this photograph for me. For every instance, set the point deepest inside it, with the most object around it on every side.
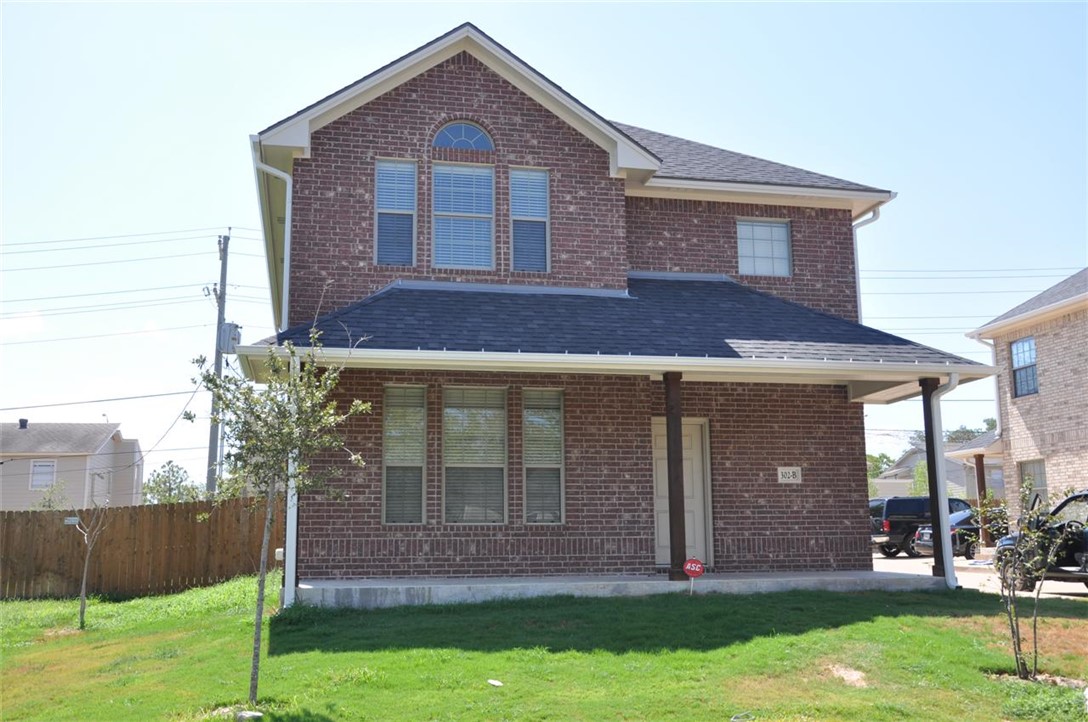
(789, 475)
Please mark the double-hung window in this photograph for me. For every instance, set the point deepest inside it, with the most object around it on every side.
(474, 455)
(542, 433)
(396, 213)
(403, 454)
(1033, 482)
(1024, 378)
(529, 218)
(43, 472)
(763, 248)
(464, 206)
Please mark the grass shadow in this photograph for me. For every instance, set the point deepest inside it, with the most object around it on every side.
(619, 625)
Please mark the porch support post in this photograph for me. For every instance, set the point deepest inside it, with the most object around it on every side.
(929, 386)
(980, 486)
(674, 444)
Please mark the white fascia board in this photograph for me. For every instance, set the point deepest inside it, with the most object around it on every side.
(859, 203)
(273, 237)
(624, 152)
(793, 371)
(993, 330)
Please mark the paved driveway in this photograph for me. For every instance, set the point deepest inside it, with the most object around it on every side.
(978, 574)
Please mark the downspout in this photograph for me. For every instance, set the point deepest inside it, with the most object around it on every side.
(942, 523)
(290, 545)
(873, 218)
(261, 167)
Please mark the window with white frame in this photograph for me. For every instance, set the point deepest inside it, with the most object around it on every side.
(474, 455)
(763, 248)
(542, 450)
(396, 212)
(464, 206)
(1025, 380)
(404, 446)
(1033, 482)
(463, 136)
(43, 472)
(529, 219)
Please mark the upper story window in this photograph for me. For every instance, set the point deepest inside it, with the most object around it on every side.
(529, 219)
(396, 206)
(763, 248)
(463, 136)
(1024, 378)
(464, 207)
(43, 472)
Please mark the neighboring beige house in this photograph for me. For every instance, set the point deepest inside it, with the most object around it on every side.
(1041, 353)
(959, 471)
(89, 464)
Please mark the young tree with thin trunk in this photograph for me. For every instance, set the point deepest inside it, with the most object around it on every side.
(91, 524)
(274, 435)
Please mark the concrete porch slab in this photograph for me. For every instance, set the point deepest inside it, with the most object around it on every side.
(381, 593)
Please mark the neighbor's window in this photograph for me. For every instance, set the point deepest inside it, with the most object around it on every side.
(396, 205)
(1024, 378)
(464, 136)
(1033, 478)
(43, 472)
(464, 204)
(763, 248)
(474, 455)
(542, 431)
(529, 218)
(403, 454)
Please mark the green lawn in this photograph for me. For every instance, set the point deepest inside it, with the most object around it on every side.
(795, 656)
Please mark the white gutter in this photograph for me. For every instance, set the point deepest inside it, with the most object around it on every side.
(290, 546)
(941, 525)
(259, 167)
(873, 218)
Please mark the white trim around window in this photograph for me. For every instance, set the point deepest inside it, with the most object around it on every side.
(43, 474)
(463, 216)
(543, 454)
(474, 455)
(764, 247)
(404, 455)
(395, 204)
(530, 220)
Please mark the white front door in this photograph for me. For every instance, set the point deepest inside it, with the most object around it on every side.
(694, 490)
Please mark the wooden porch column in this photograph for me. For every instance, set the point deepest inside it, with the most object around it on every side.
(980, 484)
(674, 445)
(929, 386)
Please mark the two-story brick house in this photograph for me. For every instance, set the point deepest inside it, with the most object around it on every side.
(591, 348)
(1041, 353)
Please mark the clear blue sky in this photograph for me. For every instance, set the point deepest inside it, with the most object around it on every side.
(133, 120)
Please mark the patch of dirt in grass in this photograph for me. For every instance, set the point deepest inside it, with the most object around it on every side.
(60, 632)
(851, 676)
(1059, 638)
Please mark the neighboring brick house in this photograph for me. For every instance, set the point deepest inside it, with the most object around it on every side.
(1041, 353)
(84, 464)
(591, 348)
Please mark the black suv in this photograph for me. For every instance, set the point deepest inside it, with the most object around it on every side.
(1065, 526)
(895, 519)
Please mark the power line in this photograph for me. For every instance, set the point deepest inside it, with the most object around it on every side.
(106, 335)
(943, 293)
(106, 263)
(958, 278)
(97, 401)
(128, 235)
(964, 270)
(106, 245)
(197, 284)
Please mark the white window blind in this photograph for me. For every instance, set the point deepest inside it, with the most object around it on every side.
(404, 454)
(1033, 478)
(529, 216)
(542, 432)
(463, 214)
(474, 455)
(43, 472)
(396, 216)
(763, 248)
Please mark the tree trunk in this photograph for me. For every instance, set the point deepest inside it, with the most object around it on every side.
(255, 670)
(83, 588)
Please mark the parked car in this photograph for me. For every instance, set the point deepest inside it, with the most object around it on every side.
(964, 535)
(895, 520)
(1064, 527)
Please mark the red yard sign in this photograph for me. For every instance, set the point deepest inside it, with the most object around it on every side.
(694, 568)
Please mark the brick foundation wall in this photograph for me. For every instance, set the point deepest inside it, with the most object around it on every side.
(332, 249)
(759, 524)
(701, 237)
(1052, 424)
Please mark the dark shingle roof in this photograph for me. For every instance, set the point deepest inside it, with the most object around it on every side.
(54, 438)
(695, 319)
(981, 441)
(1075, 285)
(695, 161)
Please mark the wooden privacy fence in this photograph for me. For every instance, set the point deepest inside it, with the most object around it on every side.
(143, 550)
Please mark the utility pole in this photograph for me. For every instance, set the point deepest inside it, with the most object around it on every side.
(220, 293)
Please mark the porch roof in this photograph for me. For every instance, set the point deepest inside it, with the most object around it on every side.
(710, 328)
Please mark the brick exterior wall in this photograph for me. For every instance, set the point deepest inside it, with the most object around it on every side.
(665, 234)
(758, 524)
(333, 233)
(1052, 424)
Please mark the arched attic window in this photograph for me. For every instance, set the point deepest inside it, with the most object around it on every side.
(463, 136)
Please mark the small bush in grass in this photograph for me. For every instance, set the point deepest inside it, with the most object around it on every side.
(1049, 702)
